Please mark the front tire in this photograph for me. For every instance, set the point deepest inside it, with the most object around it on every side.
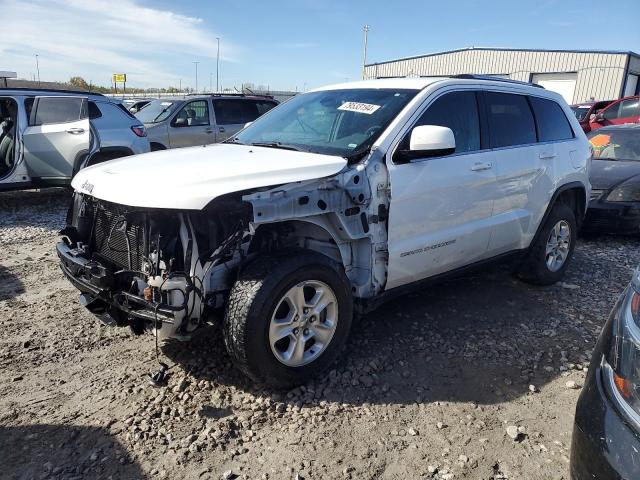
(550, 254)
(288, 318)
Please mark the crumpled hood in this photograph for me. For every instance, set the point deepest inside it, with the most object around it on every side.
(608, 173)
(189, 178)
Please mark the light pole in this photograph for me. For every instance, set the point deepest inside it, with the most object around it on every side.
(196, 64)
(38, 69)
(218, 65)
(365, 29)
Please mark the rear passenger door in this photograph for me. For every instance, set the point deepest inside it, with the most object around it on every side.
(192, 125)
(233, 114)
(524, 167)
(58, 135)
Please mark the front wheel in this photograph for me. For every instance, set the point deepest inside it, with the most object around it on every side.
(550, 254)
(288, 318)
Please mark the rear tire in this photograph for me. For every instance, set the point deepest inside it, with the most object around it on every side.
(550, 254)
(274, 299)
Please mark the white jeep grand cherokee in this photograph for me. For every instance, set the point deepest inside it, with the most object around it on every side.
(325, 206)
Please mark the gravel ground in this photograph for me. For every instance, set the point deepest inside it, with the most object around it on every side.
(475, 378)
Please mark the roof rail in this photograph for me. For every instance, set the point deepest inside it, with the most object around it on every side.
(473, 76)
(52, 90)
(230, 95)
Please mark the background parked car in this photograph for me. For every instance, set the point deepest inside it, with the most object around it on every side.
(137, 105)
(625, 110)
(606, 433)
(583, 112)
(615, 178)
(200, 119)
(46, 136)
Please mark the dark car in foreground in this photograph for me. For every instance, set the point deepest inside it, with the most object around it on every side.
(614, 206)
(606, 433)
(583, 112)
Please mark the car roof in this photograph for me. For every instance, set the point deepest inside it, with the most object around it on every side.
(45, 92)
(419, 83)
(190, 97)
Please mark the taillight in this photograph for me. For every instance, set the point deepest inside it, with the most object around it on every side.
(139, 130)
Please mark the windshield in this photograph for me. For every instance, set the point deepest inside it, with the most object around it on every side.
(334, 122)
(616, 144)
(580, 111)
(156, 111)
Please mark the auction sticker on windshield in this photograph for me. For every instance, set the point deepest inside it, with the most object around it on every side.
(358, 107)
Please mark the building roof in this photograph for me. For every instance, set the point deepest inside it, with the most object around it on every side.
(605, 52)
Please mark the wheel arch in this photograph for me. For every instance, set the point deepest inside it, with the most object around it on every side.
(306, 234)
(155, 146)
(573, 194)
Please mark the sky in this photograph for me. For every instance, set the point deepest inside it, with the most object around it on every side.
(284, 44)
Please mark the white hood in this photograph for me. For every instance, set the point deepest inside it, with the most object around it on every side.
(189, 178)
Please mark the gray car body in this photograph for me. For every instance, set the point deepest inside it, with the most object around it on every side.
(54, 160)
(166, 134)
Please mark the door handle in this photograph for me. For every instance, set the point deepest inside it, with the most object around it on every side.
(221, 129)
(209, 130)
(478, 167)
(75, 131)
(548, 156)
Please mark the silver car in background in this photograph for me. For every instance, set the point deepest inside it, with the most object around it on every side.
(46, 136)
(200, 119)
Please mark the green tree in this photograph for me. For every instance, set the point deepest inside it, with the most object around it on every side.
(79, 82)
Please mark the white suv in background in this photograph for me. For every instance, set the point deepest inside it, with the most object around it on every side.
(46, 136)
(330, 203)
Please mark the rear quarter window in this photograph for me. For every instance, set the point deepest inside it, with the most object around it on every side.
(551, 121)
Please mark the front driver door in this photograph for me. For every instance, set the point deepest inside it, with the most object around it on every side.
(441, 207)
(191, 125)
(57, 137)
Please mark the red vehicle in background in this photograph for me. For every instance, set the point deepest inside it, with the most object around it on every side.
(625, 110)
(583, 112)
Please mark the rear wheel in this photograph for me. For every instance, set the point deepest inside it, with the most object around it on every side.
(550, 255)
(288, 318)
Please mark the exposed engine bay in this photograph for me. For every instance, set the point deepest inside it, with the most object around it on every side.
(170, 271)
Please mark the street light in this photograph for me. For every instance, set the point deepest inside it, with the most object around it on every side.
(365, 29)
(196, 64)
(38, 69)
(217, 64)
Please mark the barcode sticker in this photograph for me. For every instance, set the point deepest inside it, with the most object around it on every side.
(358, 107)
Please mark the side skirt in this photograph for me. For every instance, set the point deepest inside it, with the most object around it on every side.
(366, 305)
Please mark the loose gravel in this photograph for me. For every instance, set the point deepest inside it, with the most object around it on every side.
(475, 378)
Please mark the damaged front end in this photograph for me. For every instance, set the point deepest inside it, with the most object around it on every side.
(160, 270)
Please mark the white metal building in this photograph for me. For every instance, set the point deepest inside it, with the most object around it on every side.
(577, 75)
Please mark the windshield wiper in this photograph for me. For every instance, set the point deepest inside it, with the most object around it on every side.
(275, 145)
(233, 140)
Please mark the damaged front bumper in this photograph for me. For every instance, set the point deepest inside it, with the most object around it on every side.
(100, 295)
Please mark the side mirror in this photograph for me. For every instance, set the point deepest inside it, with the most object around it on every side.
(428, 141)
(180, 122)
(598, 118)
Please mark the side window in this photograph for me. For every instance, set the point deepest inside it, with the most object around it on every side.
(612, 112)
(629, 108)
(51, 110)
(459, 112)
(230, 112)
(552, 122)
(510, 120)
(264, 107)
(192, 114)
(94, 111)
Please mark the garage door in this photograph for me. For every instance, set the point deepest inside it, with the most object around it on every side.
(562, 83)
